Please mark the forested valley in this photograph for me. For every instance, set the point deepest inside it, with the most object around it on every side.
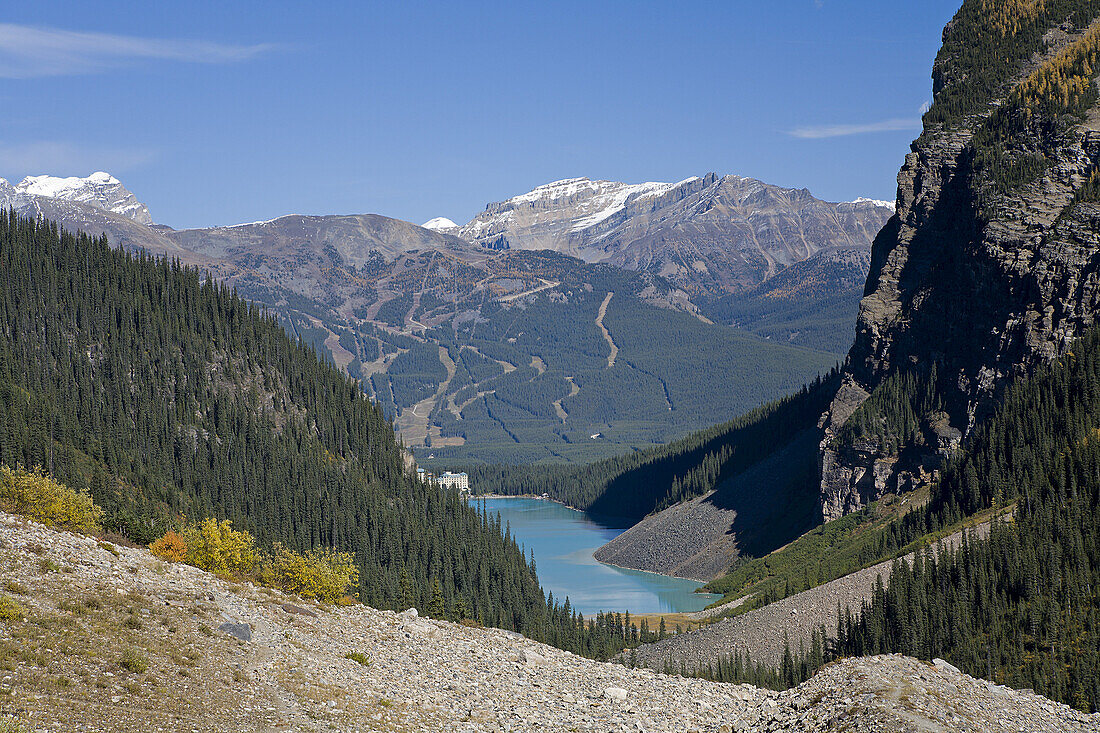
(170, 399)
(635, 484)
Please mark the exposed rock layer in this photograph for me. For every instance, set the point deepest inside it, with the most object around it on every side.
(712, 234)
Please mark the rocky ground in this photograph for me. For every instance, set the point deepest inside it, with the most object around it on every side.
(104, 638)
(764, 632)
(702, 537)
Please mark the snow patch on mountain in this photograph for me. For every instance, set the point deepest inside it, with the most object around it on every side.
(440, 224)
(576, 204)
(615, 201)
(100, 190)
(876, 202)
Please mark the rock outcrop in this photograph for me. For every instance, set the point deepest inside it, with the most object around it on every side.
(99, 191)
(984, 272)
(110, 638)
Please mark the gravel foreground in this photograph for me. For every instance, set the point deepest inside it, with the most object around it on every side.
(112, 639)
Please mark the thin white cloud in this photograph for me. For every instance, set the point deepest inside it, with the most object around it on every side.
(28, 51)
(65, 159)
(817, 132)
(925, 106)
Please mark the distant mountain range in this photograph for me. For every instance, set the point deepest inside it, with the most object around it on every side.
(710, 236)
(580, 308)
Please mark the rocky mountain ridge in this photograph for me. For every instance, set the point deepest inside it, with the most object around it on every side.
(143, 645)
(99, 190)
(714, 235)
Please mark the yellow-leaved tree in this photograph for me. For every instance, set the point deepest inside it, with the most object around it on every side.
(35, 495)
(218, 548)
(325, 575)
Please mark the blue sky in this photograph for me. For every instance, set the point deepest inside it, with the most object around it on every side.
(224, 112)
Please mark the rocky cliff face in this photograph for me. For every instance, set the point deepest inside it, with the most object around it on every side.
(990, 266)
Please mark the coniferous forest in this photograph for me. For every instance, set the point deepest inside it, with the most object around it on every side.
(1021, 607)
(167, 396)
(635, 484)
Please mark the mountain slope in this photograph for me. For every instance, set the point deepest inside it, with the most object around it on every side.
(697, 502)
(166, 395)
(986, 275)
(502, 356)
(482, 355)
(1019, 607)
(108, 632)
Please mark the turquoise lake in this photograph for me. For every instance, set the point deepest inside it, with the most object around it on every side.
(563, 541)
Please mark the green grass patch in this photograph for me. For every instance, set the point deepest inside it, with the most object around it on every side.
(133, 660)
(10, 610)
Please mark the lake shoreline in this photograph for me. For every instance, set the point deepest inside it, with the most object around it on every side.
(564, 539)
(540, 497)
(495, 497)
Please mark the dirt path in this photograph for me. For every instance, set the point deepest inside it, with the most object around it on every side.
(607, 334)
(546, 285)
(573, 391)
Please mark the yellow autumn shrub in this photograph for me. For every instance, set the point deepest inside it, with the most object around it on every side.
(35, 495)
(218, 548)
(325, 575)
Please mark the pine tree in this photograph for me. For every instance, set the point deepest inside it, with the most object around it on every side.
(435, 605)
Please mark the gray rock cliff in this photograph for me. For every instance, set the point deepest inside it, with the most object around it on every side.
(983, 273)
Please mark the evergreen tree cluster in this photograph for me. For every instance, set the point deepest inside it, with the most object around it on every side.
(986, 42)
(891, 417)
(796, 667)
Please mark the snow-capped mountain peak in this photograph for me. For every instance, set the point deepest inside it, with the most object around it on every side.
(875, 202)
(572, 204)
(100, 190)
(440, 224)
